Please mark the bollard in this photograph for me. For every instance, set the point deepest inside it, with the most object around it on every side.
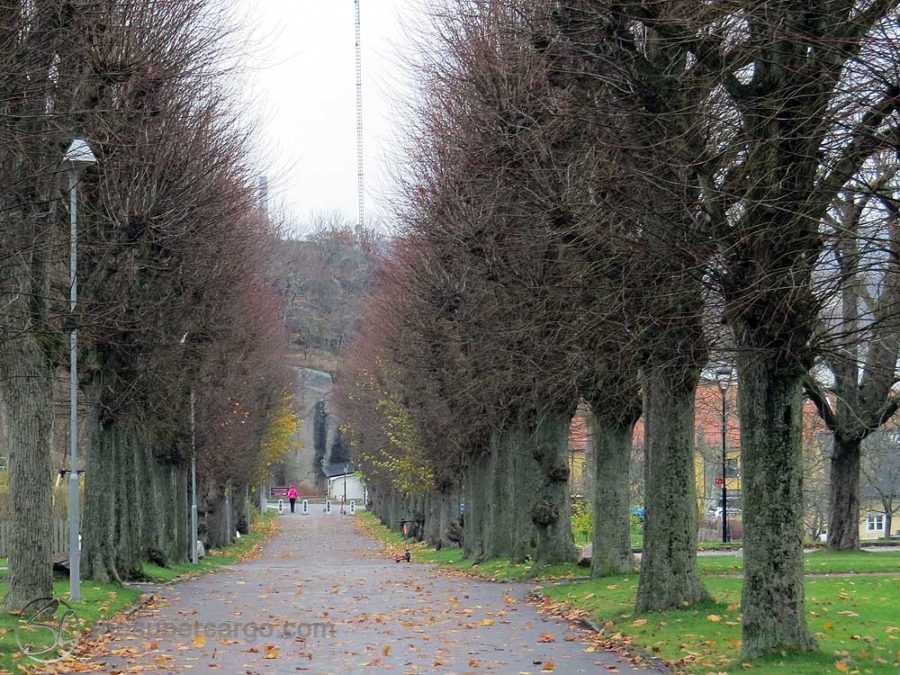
(327, 506)
(352, 507)
(280, 506)
(304, 507)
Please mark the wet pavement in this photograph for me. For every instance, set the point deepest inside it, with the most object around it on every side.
(324, 598)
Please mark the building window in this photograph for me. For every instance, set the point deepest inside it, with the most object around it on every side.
(875, 522)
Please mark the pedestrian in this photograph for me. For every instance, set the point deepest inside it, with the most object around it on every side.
(292, 495)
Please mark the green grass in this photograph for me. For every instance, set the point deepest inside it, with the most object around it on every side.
(817, 562)
(98, 601)
(855, 620)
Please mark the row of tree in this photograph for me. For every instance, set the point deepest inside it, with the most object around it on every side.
(180, 335)
(604, 199)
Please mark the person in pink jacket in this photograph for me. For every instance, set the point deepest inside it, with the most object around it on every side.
(292, 495)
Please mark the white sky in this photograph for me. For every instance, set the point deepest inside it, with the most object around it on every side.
(301, 87)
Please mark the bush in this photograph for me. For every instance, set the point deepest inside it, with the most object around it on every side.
(582, 521)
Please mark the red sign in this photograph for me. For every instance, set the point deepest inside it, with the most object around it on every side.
(720, 481)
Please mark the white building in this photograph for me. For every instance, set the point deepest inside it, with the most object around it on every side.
(343, 484)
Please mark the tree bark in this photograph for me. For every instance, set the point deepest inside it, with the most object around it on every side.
(669, 577)
(474, 521)
(98, 547)
(773, 596)
(499, 537)
(611, 540)
(30, 421)
(432, 518)
(546, 448)
(526, 485)
(843, 519)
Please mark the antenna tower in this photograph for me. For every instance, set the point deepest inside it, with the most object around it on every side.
(360, 183)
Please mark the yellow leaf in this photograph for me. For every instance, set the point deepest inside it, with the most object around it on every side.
(549, 666)
(487, 622)
(828, 626)
(199, 641)
(271, 652)
(715, 618)
(639, 622)
(841, 666)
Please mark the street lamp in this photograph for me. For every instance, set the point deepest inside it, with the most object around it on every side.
(77, 157)
(194, 533)
(344, 500)
(194, 525)
(723, 377)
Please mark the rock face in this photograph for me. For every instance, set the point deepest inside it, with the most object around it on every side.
(318, 431)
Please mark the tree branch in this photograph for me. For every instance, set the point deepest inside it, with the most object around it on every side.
(815, 394)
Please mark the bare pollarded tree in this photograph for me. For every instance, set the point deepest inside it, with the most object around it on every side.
(169, 223)
(860, 332)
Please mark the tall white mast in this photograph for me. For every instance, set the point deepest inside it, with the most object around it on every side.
(360, 185)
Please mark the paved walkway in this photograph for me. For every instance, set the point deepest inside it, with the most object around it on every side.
(323, 598)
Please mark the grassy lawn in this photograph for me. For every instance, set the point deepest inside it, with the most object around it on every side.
(817, 562)
(855, 618)
(104, 601)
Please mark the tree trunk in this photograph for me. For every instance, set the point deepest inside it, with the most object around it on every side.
(525, 487)
(843, 517)
(772, 602)
(669, 577)
(98, 546)
(433, 519)
(498, 538)
(546, 448)
(888, 522)
(182, 512)
(611, 540)
(30, 432)
(476, 509)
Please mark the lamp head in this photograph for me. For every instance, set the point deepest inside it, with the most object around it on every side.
(723, 377)
(79, 154)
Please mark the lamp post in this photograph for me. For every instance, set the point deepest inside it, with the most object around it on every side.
(194, 532)
(77, 157)
(344, 500)
(723, 377)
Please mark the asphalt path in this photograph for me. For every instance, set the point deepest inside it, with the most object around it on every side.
(324, 598)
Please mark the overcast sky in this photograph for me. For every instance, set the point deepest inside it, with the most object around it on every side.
(301, 87)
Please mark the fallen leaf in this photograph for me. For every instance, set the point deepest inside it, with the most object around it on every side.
(549, 666)
(271, 652)
(199, 641)
(715, 618)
